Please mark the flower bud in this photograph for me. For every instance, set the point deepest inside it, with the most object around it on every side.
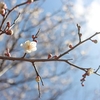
(70, 46)
(95, 41)
(2, 11)
(8, 24)
(37, 78)
(8, 54)
(3, 5)
(9, 32)
(82, 84)
(55, 57)
(80, 35)
(49, 56)
(78, 26)
(30, 1)
(90, 71)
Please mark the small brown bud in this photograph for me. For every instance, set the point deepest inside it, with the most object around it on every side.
(49, 56)
(55, 57)
(78, 26)
(80, 35)
(84, 75)
(82, 84)
(70, 46)
(8, 54)
(8, 24)
(95, 41)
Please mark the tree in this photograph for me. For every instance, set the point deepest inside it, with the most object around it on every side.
(47, 52)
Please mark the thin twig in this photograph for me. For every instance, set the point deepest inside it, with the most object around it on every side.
(37, 32)
(42, 81)
(79, 34)
(5, 70)
(39, 90)
(84, 69)
(35, 69)
(96, 73)
(97, 69)
(24, 55)
(78, 45)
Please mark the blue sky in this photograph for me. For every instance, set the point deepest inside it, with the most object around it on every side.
(89, 9)
(51, 5)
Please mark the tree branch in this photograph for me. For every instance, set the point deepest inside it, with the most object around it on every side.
(78, 45)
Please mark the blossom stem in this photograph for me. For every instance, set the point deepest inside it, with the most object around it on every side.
(24, 55)
(35, 69)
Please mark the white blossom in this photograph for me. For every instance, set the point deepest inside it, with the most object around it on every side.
(29, 46)
(90, 71)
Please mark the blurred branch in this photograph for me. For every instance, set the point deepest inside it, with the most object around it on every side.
(9, 11)
(15, 21)
(5, 70)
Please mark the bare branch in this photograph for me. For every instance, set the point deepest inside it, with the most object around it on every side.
(78, 45)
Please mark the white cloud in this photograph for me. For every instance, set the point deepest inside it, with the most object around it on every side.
(78, 8)
(93, 18)
(91, 13)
